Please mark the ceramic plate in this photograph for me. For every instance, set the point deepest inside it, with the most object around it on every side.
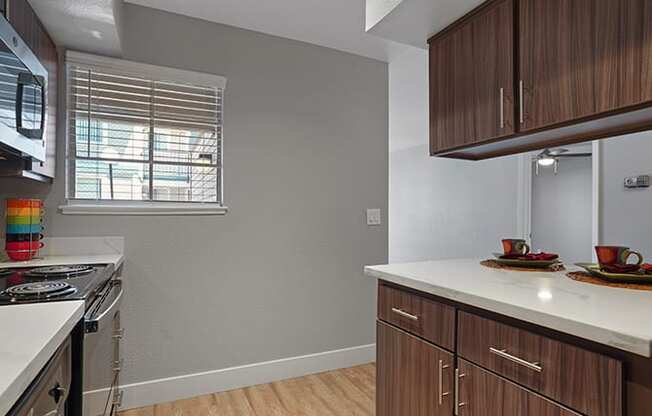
(594, 270)
(539, 264)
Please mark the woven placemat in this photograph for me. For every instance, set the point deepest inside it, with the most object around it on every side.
(492, 264)
(587, 278)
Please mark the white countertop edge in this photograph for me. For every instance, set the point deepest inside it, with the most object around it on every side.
(21, 382)
(634, 343)
(116, 259)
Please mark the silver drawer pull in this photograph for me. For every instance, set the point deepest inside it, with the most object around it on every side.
(405, 314)
(458, 404)
(503, 354)
(502, 108)
(442, 393)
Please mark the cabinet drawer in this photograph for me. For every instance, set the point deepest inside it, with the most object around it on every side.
(582, 380)
(419, 315)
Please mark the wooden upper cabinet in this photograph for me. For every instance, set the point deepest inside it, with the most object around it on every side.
(414, 378)
(636, 53)
(471, 79)
(581, 58)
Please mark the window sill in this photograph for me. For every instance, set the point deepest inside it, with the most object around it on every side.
(111, 208)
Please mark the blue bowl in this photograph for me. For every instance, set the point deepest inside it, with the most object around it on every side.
(24, 228)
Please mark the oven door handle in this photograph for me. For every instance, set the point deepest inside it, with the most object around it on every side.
(93, 325)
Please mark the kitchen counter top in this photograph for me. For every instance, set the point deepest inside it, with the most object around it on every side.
(616, 317)
(57, 260)
(30, 335)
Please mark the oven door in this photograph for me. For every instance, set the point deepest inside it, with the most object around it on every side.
(102, 363)
(23, 97)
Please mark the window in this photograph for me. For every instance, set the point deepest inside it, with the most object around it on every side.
(141, 135)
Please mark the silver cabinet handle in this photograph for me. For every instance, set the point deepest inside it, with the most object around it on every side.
(503, 354)
(405, 314)
(458, 404)
(442, 393)
(502, 108)
(521, 103)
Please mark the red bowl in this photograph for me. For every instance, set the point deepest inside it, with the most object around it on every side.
(23, 245)
(22, 255)
(647, 267)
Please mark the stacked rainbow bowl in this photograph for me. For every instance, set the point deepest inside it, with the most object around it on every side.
(24, 227)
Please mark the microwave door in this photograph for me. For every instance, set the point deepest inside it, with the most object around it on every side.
(30, 108)
(10, 68)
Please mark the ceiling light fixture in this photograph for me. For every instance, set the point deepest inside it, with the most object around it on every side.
(546, 161)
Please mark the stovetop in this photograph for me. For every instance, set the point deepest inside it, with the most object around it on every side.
(54, 283)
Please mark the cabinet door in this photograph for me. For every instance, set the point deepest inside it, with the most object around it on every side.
(636, 57)
(471, 79)
(414, 378)
(569, 64)
(23, 20)
(484, 394)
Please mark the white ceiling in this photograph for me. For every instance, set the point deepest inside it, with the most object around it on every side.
(413, 21)
(88, 25)
(337, 24)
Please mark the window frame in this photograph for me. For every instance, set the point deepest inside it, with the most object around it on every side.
(146, 207)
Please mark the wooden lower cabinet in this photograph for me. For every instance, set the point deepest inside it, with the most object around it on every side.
(482, 393)
(414, 378)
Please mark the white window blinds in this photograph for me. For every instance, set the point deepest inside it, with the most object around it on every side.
(143, 133)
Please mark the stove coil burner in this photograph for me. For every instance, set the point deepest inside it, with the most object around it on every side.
(59, 272)
(6, 272)
(39, 290)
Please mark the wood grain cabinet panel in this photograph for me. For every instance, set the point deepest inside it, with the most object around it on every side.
(471, 79)
(485, 394)
(557, 74)
(419, 315)
(636, 52)
(582, 380)
(409, 373)
(583, 58)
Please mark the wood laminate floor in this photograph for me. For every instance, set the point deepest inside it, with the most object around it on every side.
(346, 392)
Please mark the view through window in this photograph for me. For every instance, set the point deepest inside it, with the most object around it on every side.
(137, 139)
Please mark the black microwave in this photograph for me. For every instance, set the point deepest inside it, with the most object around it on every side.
(23, 97)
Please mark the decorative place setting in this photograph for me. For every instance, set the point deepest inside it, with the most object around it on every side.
(613, 269)
(516, 256)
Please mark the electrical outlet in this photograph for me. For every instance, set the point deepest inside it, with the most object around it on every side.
(373, 216)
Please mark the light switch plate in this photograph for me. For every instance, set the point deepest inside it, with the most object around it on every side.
(373, 216)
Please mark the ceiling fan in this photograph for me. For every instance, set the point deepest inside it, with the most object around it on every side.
(550, 157)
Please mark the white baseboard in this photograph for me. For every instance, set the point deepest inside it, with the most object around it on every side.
(190, 385)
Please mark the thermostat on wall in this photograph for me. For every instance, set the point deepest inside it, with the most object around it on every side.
(642, 181)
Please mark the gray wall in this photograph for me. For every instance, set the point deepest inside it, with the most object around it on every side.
(561, 209)
(625, 213)
(281, 274)
(440, 208)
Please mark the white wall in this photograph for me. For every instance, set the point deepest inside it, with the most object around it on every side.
(562, 207)
(281, 275)
(625, 213)
(440, 208)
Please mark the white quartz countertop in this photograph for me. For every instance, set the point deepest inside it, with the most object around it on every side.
(30, 335)
(620, 318)
(58, 260)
